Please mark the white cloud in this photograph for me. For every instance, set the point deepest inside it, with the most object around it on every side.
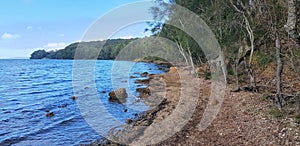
(55, 45)
(62, 35)
(7, 36)
(127, 37)
(29, 27)
(39, 28)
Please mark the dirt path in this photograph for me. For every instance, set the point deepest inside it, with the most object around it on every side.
(242, 120)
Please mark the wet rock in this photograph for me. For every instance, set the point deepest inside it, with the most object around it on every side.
(152, 76)
(129, 121)
(49, 114)
(102, 92)
(119, 95)
(145, 74)
(144, 81)
(125, 110)
(131, 77)
(74, 98)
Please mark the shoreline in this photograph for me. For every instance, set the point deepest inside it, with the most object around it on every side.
(244, 119)
(146, 117)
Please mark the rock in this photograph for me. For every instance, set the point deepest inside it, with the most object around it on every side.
(131, 77)
(143, 90)
(125, 110)
(63, 106)
(49, 114)
(152, 76)
(74, 98)
(119, 95)
(200, 70)
(173, 70)
(145, 74)
(213, 102)
(129, 121)
(145, 81)
(102, 92)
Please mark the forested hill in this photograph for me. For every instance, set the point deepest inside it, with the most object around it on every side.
(109, 49)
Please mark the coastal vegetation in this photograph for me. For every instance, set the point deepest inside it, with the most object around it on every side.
(107, 49)
(255, 36)
(260, 40)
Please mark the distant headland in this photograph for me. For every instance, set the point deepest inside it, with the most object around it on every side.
(109, 49)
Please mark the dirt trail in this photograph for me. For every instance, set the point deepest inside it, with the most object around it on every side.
(242, 119)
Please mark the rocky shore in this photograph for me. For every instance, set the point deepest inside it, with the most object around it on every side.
(242, 120)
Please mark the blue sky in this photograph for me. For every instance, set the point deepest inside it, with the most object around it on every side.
(29, 25)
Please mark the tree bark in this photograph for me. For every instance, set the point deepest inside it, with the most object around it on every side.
(250, 32)
(279, 96)
(293, 20)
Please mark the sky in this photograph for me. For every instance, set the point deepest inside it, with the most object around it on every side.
(29, 25)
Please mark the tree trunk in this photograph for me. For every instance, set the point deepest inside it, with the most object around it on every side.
(279, 96)
(251, 38)
(293, 20)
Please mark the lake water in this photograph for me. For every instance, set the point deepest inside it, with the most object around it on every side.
(28, 88)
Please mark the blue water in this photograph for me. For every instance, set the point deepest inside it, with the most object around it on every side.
(28, 88)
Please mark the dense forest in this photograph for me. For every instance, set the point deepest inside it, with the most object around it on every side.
(259, 38)
(108, 49)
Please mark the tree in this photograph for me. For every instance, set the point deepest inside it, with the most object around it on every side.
(39, 54)
(293, 20)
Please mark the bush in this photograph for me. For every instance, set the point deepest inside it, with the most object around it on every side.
(263, 59)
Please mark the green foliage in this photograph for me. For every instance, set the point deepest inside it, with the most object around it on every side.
(104, 49)
(297, 120)
(230, 72)
(262, 58)
(153, 58)
(39, 54)
(296, 53)
(207, 75)
(276, 113)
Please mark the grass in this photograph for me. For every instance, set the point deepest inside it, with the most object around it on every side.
(207, 75)
(264, 97)
(297, 120)
(276, 113)
(296, 52)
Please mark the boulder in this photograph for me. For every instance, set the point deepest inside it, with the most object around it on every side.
(119, 95)
(173, 70)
